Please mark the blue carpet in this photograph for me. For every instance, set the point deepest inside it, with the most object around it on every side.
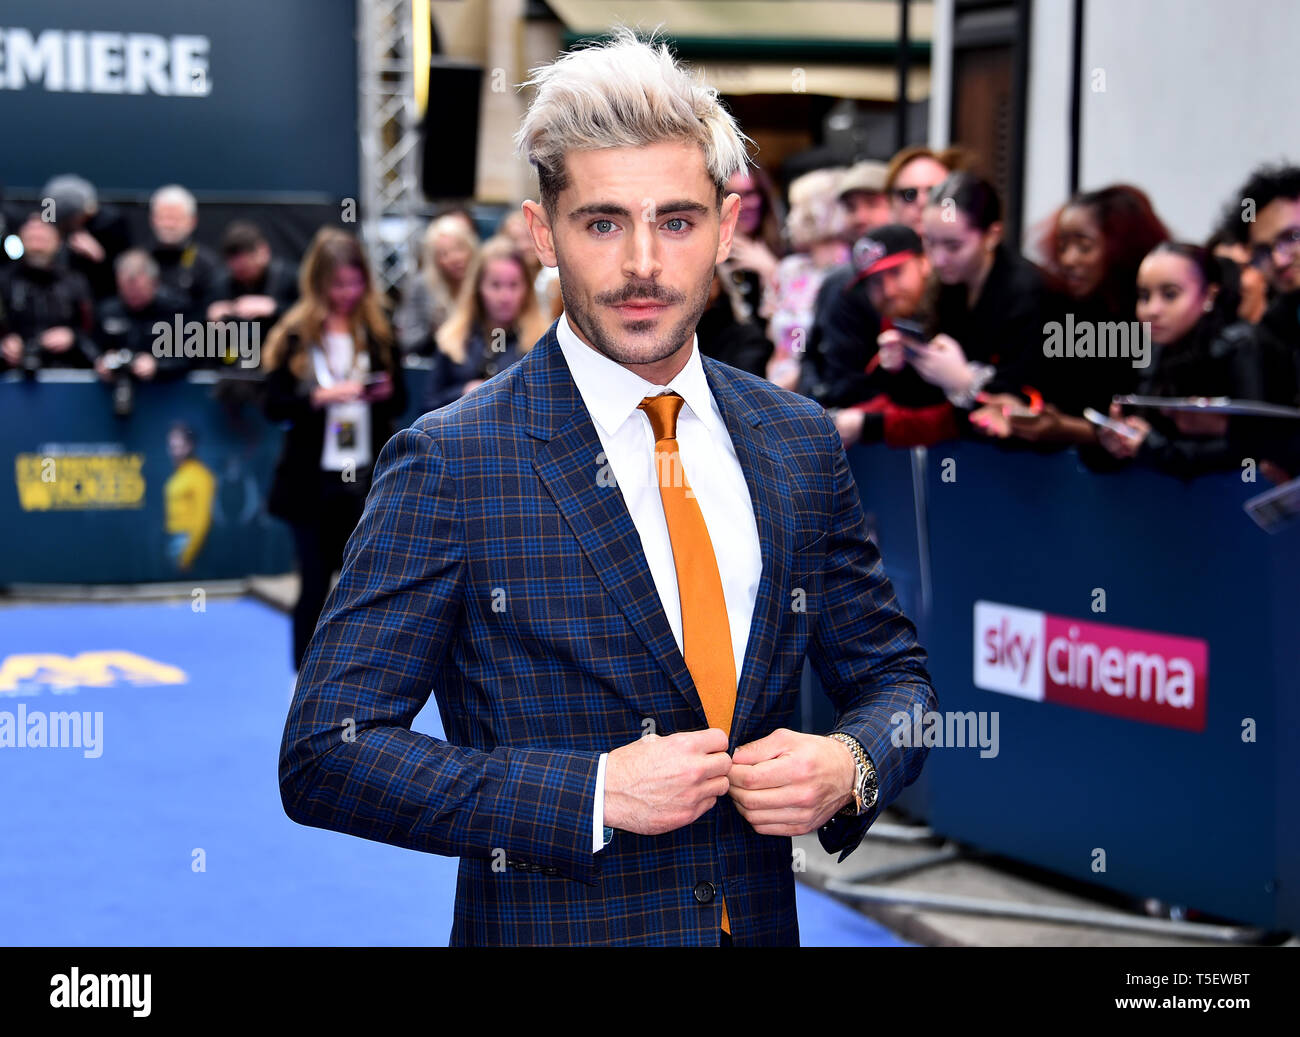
(174, 835)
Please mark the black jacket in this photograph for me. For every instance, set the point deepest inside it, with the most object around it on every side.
(742, 344)
(35, 299)
(448, 378)
(108, 227)
(1005, 326)
(279, 280)
(1278, 338)
(117, 326)
(841, 342)
(191, 272)
(1210, 360)
(296, 487)
(1074, 383)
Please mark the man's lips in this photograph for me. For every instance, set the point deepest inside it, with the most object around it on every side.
(639, 309)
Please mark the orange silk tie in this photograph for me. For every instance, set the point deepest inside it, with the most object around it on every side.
(706, 630)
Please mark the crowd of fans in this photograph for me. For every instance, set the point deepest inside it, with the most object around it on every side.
(886, 292)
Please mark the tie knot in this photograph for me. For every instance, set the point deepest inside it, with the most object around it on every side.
(662, 411)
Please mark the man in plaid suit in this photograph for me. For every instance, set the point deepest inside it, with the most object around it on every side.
(515, 560)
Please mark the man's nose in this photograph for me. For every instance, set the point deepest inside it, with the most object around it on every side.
(643, 256)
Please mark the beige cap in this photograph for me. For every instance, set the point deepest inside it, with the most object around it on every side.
(864, 176)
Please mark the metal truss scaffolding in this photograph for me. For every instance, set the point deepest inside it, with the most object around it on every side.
(389, 133)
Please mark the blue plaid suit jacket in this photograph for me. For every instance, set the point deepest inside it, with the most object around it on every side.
(496, 568)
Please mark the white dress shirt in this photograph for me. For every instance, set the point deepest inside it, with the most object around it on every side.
(612, 394)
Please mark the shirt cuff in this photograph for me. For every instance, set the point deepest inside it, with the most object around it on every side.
(600, 835)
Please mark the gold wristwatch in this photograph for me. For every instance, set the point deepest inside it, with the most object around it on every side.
(865, 787)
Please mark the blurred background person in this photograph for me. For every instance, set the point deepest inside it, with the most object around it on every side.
(546, 279)
(843, 319)
(124, 328)
(863, 197)
(253, 284)
(816, 226)
(1275, 251)
(335, 381)
(896, 406)
(93, 235)
(45, 308)
(186, 267)
(1093, 247)
(846, 325)
(447, 252)
(1230, 244)
(727, 333)
(910, 175)
(496, 321)
(987, 300)
(1200, 349)
(756, 244)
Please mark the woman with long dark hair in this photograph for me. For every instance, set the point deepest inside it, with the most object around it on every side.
(985, 301)
(1093, 247)
(1200, 350)
(334, 380)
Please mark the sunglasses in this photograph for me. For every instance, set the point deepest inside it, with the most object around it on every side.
(1286, 245)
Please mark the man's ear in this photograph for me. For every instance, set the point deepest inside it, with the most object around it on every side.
(730, 213)
(540, 228)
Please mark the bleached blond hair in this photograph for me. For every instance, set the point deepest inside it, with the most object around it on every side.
(624, 93)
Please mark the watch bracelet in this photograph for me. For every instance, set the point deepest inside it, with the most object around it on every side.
(862, 763)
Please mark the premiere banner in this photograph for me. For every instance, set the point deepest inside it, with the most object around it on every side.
(241, 95)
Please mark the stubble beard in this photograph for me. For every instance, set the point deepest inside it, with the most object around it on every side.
(637, 347)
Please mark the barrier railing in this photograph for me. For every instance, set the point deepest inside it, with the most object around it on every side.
(1127, 641)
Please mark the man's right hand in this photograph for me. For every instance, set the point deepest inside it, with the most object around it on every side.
(661, 783)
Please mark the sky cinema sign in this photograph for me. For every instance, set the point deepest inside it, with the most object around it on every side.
(1135, 674)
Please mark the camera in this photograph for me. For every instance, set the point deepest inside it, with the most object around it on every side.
(117, 362)
(31, 356)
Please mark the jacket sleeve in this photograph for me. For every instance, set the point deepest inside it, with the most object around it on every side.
(285, 397)
(865, 652)
(349, 760)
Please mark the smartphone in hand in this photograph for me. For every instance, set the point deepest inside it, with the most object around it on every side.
(1101, 421)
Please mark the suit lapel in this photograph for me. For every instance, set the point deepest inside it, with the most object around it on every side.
(572, 467)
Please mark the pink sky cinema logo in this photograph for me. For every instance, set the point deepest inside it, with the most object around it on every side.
(1135, 674)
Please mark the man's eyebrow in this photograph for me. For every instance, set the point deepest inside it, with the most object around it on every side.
(613, 209)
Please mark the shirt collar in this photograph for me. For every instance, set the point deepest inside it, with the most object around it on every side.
(612, 392)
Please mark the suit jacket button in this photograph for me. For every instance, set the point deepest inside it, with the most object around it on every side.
(704, 892)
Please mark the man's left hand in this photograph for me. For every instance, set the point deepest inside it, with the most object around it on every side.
(789, 783)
